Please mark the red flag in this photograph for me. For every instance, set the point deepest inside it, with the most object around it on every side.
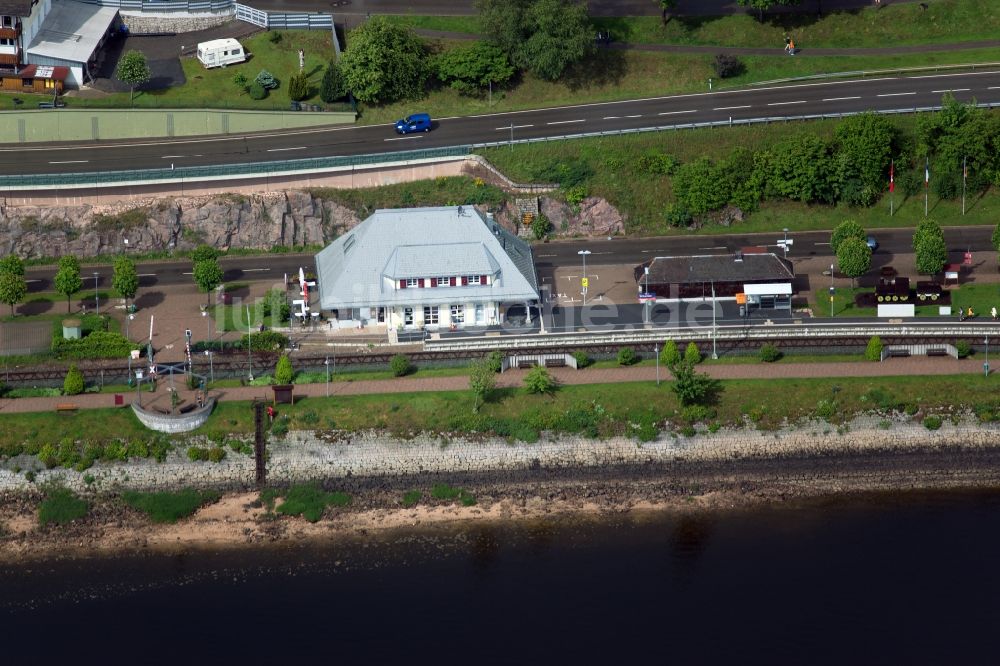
(892, 179)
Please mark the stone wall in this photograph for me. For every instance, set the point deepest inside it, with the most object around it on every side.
(304, 456)
(139, 24)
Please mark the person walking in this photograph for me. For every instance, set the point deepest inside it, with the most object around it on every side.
(791, 47)
(993, 312)
(788, 41)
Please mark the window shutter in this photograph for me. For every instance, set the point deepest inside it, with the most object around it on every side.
(482, 279)
(465, 280)
(402, 284)
(434, 282)
(452, 282)
(421, 282)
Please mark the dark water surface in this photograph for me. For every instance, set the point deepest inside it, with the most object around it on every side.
(905, 579)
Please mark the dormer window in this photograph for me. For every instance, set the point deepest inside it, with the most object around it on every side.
(412, 283)
(474, 279)
(443, 282)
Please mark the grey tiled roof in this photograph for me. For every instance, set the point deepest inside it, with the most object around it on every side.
(20, 8)
(718, 268)
(360, 268)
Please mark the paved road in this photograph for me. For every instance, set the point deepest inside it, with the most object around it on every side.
(595, 7)
(829, 97)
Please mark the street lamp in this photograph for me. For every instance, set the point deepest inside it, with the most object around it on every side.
(211, 367)
(128, 320)
(584, 253)
(715, 355)
(986, 365)
(656, 353)
(327, 364)
(249, 340)
(784, 244)
(832, 291)
(97, 298)
(208, 328)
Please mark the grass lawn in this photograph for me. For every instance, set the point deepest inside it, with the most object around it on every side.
(944, 21)
(980, 297)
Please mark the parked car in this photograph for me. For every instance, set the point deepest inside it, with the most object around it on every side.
(418, 122)
(872, 243)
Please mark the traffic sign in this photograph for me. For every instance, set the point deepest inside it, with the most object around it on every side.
(586, 282)
(644, 297)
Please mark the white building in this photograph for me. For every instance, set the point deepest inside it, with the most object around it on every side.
(433, 268)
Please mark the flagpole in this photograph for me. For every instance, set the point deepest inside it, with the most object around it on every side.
(927, 182)
(965, 173)
(892, 186)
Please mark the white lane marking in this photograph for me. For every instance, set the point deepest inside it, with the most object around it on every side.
(895, 94)
(30, 281)
(798, 101)
(817, 243)
(566, 122)
(637, 116)
(840, 99)
(515, 127)
(951, 90)
(674, 113)
(728, 108)
(611, 118)
(601, 253)
(938, 76)
(714, 247)
(281, 150)
(170, 157)
(405, 138)
(544, 255)
(146, 275)
(187, 273)
(71, 162)
(255, 270)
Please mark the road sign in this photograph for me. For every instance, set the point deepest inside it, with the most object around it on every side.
(645, 297)
(741, 298)
(586, 282)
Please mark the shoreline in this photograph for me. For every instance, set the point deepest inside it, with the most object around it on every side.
(238, 521)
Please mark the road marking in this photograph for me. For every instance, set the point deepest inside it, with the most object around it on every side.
(187, 273)
(544, 255)
(405, 138)
(71, 162)
(821, 243)
(255, 270)
(715, 247)
(840, 99)
(994, 88)
(638, 116)
(30, 281)
(674, 113)
(611, 118)
(566, 122)
(951, 90)
(281, 150)
(150, 274)
(798, 101)
(895, 94)
(515, 127)
(728, 108)
(938, 76)
(170, 157)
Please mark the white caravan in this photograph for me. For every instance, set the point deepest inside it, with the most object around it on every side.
(221, 52)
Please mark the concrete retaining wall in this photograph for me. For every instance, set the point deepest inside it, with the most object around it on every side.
(96, 124)
(139, 23)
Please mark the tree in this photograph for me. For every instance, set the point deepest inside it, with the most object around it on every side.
(539, 381)
(207, 275)
(854, 258)
(930, 248)
(692, 354)
(726, 65)
(800, 169)
(862, 154)
(995, 238)
(482, 380)
(133, 70)
(763, 5)
(400, 365)
(843, 231)
(670, 355)
(12, 263)
(333, 86)
(73, 383)
(540, 227)
(384, 63)
(68, 280)
(298, 87)
(13, 289)
(693, 388)
(873, 352)
(470, 69)
(665, 7)
(125, 279)
(544, 37)
(701, 186)
(283, 371)
(203, 252)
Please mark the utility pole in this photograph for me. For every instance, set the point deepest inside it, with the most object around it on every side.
(715, 354)
(249, 340)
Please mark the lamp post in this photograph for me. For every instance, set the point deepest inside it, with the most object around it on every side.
(715, 355)
(986, 365)
(249, 340)
(656, 353)
(832, 291)
(584, 253)
(327, 364)
(128, 320)
(208, 328)
(97, 298)
(211, 367)
(784, 244)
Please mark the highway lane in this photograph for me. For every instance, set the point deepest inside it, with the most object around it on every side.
(548, 256)
(777, 101)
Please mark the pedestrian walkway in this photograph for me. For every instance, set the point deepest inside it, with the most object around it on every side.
(915, 366)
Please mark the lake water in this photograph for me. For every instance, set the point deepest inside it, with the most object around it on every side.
(882, 579)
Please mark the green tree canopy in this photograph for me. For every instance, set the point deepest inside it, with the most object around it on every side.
(701, 186)
(670, 355)
(68, 280)
(863, 151)
(691, 387)
(203, 252)
(854, 257)
(801, 169)
(13, 288)
(692, 354)
(544, 37)
(470, 69)
(995, 238)
(333, 86)
(843, 231)
(283, 371)
(930, 248)
(125, 279)
(12, 263)
(384, 63)
(208, 276)
(482, 381)
(73, 383)
(538, 380)
(133, 70)
(763, 5)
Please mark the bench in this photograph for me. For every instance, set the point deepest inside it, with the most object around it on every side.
(525, 365)
(66, 407)
(937, 351)
(898, 352)
(555, 363)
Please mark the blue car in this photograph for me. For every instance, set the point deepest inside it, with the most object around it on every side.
(418, 122)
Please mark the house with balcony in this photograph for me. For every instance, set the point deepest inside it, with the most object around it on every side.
(440, 268)
(46, 45)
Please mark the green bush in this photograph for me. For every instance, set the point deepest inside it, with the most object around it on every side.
(274, 36)
(73, 384)
(582, 359)
(697, 413)
(538, 380)
(280, 427)
(197, 453)
(670, 355)
(627, 356)
(216, 454)
(873, 352)
(494, 361)
(692, 354)
(266, 79)
(61, 506)
(932, 422)
(98, 344)
(963, 348)
(826, 409)
(298, 87)
(647, 430)
(576, 194)
(257, 91)
(169, 507)
(283, 372)
(769, 353)
(264, 341)
(400, 365)
(410, 498)
(442, 491)
(310, 501)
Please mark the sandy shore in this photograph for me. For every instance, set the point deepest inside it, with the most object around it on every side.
(238, 520)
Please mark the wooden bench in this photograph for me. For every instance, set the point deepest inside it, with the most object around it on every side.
(66, 407)
(898, 352)
(937, 351)
(525, 365)
(555, 363)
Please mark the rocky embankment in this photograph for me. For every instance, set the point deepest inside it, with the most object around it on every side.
(234, 221)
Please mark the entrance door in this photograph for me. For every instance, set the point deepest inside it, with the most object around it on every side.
(480, 315)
